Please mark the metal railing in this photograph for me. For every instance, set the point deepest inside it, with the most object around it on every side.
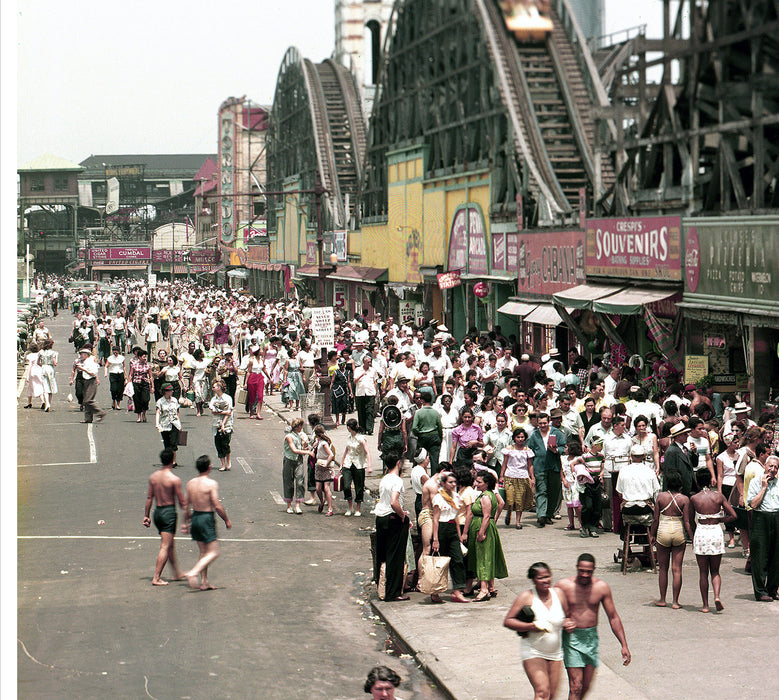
(618, 37)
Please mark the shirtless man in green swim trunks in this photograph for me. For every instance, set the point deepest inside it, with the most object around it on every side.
(203, 499)
(585, 594)
(165, 488)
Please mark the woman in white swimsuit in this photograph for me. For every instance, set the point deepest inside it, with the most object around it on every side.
(711, 510)
(541, 647)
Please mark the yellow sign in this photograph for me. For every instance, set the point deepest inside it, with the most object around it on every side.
(696, 367)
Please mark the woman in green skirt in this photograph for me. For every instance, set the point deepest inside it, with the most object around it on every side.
(485, 553)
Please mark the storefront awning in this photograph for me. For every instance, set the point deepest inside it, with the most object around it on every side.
(544, 315)
(357, 273)
(516, 308)
(583, 295)
(308, 271)
(630, 301)
(118, 268)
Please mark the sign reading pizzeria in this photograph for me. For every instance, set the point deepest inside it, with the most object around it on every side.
(635, 248)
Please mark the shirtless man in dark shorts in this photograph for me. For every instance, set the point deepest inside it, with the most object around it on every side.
(165, 488)
(585, 594)
(203, 499)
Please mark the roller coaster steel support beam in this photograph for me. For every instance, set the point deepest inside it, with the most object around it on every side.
(318, 191)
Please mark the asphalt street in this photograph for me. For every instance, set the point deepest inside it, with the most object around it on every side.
(290, 618)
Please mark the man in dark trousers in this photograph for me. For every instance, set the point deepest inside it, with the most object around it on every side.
(548, 444)
(678, 458)
(428, 429)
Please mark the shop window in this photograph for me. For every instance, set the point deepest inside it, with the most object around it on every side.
(37, 183)
(98, 189)
(549, 337)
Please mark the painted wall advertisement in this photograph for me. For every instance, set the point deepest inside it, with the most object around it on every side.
(728, 258)
(505, 251)
(468, 241)
(550, 262)
(635, 248)
(340, 242)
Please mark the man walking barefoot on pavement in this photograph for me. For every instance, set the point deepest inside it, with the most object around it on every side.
(203, 499)
(585, 594)
(165, 488)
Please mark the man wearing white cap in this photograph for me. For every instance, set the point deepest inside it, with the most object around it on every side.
(637, 482)
(548, 361)
(89, 369)
(638, 487)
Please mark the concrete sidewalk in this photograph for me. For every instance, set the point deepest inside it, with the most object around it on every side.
(466, 650)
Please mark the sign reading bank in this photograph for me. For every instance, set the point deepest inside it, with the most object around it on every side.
(636, 248)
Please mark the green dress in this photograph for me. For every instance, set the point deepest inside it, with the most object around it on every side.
(485, 558)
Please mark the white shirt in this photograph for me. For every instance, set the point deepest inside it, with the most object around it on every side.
(616, 450)
(365, 381)
(151, 332)
(637, 483)
(89, 368)
(448, 514)
(115, 364)
(389, 484)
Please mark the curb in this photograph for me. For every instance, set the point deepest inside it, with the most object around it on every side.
(428, 665)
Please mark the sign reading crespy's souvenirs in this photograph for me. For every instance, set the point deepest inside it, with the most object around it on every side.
(635, 248)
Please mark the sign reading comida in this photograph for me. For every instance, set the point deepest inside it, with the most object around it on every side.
(635, 248)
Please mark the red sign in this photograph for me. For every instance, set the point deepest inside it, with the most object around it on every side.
(481, 289)
(692, 259)
(311, 252)
(166, 256)
(134, 254)
(550, 262)
(449, 280)
(637, 248)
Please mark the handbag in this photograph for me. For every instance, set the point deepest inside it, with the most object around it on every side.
(183, 436)
(338, 481)
(525, 614)
(433, 573)
(241, 396)
(129, 390)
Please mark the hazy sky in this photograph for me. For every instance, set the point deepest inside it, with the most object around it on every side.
(104, 76)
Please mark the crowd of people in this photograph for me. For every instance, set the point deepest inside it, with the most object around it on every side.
(490, 434)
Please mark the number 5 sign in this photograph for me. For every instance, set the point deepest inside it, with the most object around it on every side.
(339, 295)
